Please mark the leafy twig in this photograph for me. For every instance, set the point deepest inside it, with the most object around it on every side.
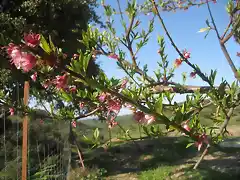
(125, 62)
(204, 78)
(160, 118)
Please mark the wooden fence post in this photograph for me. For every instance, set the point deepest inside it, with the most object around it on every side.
(25, 133)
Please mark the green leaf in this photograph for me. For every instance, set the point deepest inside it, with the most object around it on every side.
(206, 35)
(230, 6)
(86, 60)
(96, 134)
(190, 144)
(204, 29)
(44, 45)
(221, 89)
(87, 140)
(159, 105)
(178, 117)
(146, 131)
(108, 10)
(51, 44)
(67, 97)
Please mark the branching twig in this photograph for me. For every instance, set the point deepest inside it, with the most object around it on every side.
(213, 22)
(160, 118)
(126, 63)
(120, 10)
(223, 47)
(226, 30)
(204, 78)
(225, 123)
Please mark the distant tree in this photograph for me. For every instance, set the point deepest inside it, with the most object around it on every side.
(64, 20)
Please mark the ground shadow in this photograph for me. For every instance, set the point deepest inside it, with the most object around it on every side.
(126, 158)
(206, 172)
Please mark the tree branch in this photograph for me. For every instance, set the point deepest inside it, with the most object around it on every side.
(182, 89)
(204, 78)
(202, 156)
(159, 117)
(213, 22)
(223, 47)
(226, 30)
(126, 63)
(225, 123)
(120, 10)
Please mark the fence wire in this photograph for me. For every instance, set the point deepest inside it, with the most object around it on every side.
(48, 148)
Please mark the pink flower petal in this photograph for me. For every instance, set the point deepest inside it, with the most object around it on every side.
(32, 40)
(11, 110)
(34, 76)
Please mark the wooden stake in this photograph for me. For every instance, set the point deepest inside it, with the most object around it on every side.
(25, 133)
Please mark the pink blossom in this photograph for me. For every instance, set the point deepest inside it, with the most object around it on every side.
(41, 121)
(124, 83)
(114, 106)
(102, 97)
(112, 124)
(186, 127)
(28, 61)
(148, 119)
(46, 83)
(94, 56)
(81, 105)
(32, 40)
(75, 56)
(177, 62)
(113, 56)
(127, 105)
(65, 56)
(73, 89)
(140, 117)
(22, 60)
(74, 124)
(186, 54)
(61, 81)
(11, 110)
(34, 76)
(193, 74)
(13, 50)
(180, 2)
(201, 140)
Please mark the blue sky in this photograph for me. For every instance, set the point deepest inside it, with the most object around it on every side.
(183, 26)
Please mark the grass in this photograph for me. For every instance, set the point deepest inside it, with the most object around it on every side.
(162, 158)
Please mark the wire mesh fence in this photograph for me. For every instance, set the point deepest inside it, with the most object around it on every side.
(48, 148)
